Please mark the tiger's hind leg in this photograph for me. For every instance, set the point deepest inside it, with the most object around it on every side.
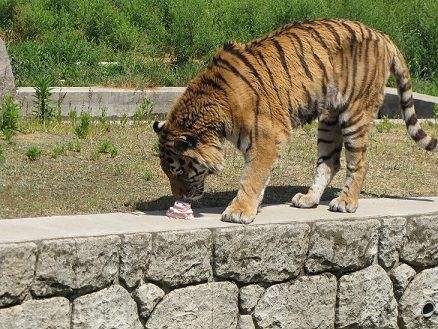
(355, 125)
(329, 150)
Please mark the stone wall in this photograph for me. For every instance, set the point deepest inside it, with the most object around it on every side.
(371, 273)
(7, 82)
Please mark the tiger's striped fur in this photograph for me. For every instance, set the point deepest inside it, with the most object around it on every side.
(255, 94)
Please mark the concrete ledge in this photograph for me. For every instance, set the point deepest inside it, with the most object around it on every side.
(119, 101)
(293, 268)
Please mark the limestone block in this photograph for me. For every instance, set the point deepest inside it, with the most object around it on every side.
(308, 302)
(245, 322)
(204, 306)
(52, 313)
(342, 246)
(134, 258)
(392, 232)
(147, 297)
(76, 265)
(366, 300)
(17, 265)
(401, 276)
(180, 258)
(249, 297)
(420, 244)
(422, 289)
(7, 83)
(109, 308)
(264, 253)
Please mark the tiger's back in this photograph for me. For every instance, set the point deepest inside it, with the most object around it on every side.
(254, 94)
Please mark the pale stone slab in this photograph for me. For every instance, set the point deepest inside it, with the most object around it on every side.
(17, 265)
(134, 258)
(249, 296)
(109, 308)
(204, 306)
(7, 82)
(76, 265)
(147, 297)
(392, 232)
(366, 300)
(401, 276)
(422, 289)
(420, 244)
(308, 302)
(245, 322)
(342, 246)
(180, 258)
(266, 253)
(52, 313)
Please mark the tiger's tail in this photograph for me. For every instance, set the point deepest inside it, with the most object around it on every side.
(400, 71)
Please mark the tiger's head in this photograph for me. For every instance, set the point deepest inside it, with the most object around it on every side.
(186, 160)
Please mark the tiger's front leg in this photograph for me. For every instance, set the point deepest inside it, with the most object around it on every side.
(258, 164)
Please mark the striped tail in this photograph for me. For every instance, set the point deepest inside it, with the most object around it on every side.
(400, 71)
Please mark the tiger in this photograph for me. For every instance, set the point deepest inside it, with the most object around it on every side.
(254, 94)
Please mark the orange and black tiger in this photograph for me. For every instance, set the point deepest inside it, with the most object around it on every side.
(254, 94)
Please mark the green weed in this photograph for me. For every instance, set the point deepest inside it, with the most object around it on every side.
(124, 119)
(156, 148)
(147, 175)
(144, 111)
(74, 146)
(108, 148)
(73, 117)
(385, 125)
(33, 153)
(83, 129)
(44, 111)
(2, 155)
(57, 151)
(10, 113)
(308, 128)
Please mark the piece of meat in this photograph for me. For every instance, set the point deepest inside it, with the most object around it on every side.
(180, 210)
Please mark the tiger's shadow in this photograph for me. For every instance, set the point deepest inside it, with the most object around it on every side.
(273, 195)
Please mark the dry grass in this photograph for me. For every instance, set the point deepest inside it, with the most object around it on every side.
(90, 182)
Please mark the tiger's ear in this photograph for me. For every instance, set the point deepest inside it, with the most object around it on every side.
(158, 126)
(185, 142)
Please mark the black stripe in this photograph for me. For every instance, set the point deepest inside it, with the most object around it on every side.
(412, 121)
(326, 141)
(282, 59)
(419, 135)
(407, 104)
(432, 144)
(301, 54)
(250, 142)
(317, 36)
(330, 123)
(359, 130)
(329, 156)
(352, 33)
(320, 63)
(334, 32)
(324, 130)
(221, 78)
(211, 83)
(251, 67)
(355, 118)
(239, 139)
(365, 62)
(228, 66)
(354, 149)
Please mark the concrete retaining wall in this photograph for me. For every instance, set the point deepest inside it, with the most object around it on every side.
(352, 272)
(119, 101)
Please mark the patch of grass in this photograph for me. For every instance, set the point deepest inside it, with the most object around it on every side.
(33, 153)
(74, 146)
(2, 155)
(147, 175)
(166, 43)
(385, 125)
(44, 111)
(83, 129)
(73, 116)
(107, 147)
(57, 151)
(397, 167)
(10, 114)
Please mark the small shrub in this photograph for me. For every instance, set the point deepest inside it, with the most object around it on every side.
(95, 156)
(44, 111)
(144, 111)
(33, 153)
(83, 130)
(108, 148)
(156, 148)
(308, 128)
(57, 151)
(147, 175)
(124, 119)
(58, 116)
(385, 125)
(10, 114)
(8, 133)
(73, 117)
(74, 146)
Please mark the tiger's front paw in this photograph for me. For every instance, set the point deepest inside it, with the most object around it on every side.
(343, 204)
(235, 214)
(301, 200)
